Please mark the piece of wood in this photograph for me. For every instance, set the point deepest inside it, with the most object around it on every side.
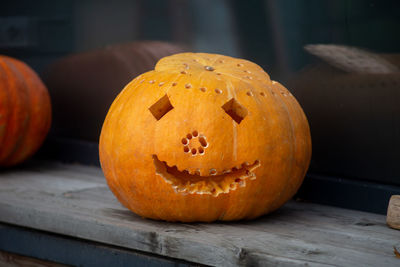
(14, 260)
(75, 251)
(74, 200)
(393, 213)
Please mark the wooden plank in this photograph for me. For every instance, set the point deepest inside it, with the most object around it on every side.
(46, 198)
(393, 213)
(76, 252)
(15, 260)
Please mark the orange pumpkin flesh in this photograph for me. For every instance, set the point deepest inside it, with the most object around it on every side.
(204, 137)
(25, 111)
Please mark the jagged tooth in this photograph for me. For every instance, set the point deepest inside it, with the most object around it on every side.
(233, 186)
(224, 185)
(226, 171)
(220, 171)
(245, 164)
(200, 185)
(169, 181)
(190, 171)
(181, 189)
(252, 176)
(166, 164)
(214, 186)
(192, 188)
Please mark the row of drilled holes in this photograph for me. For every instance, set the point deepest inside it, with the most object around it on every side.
(204, 89)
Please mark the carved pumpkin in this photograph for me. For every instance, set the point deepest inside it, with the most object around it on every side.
(25, 111)
(204, 137)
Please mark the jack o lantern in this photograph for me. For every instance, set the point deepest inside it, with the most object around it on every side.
(25, 111)
(204, 137)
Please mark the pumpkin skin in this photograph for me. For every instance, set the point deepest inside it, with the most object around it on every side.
(25, 111)
(251, 139)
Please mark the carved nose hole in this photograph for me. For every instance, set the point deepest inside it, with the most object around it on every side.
(161, 107)
(235, 110)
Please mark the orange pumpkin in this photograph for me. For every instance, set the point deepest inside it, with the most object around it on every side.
(204, 137)
(25, 111)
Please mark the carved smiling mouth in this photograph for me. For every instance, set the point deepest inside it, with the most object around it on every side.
(213, 184)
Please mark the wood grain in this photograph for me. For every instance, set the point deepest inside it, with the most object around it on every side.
(393, 214)
(74, 200)
(15, 260)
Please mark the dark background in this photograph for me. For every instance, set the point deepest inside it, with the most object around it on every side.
(354, 119)
(270, 33)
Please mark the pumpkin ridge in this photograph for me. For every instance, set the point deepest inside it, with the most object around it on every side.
(24, 127)
(14, 123)
(284, 106)
(5, 116)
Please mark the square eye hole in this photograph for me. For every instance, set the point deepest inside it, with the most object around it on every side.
(161, 107)
(235, 110)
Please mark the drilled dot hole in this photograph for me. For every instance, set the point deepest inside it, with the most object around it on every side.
(262, 94)
(186, 149)
(201, 150)
(203, 141)
(185, 141)
(174, 84)
(195, 133)
(203, 89)
(249, 93)
(188, 86)
(194, 151)
(218, 91)
(189, 136)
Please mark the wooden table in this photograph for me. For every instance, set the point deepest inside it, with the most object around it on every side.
(65, 213)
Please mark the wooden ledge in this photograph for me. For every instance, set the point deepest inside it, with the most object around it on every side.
(74, 200)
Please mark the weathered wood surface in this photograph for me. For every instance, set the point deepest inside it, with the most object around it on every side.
(393, 213)
(13, 260)
(74, 200)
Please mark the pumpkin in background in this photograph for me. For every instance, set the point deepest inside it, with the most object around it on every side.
(204, 137)
(97, 77)
(25, 111)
